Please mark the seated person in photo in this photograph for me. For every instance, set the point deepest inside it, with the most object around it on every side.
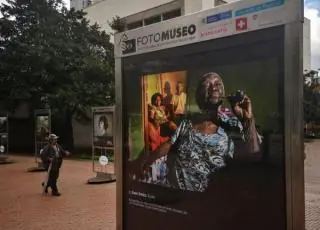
(157, 113)
(154, 142)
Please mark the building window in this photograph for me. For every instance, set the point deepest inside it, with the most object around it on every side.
(219, 2)
(134, 25)
(171, 14)
(152, 20)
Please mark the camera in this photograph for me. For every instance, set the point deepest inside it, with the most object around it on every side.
(236, 97)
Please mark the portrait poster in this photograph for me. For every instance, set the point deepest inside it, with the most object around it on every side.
(3, 124)
(199, 125)
(42, 128)
(103, 129)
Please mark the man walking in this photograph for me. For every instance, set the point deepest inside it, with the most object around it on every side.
(53, 154)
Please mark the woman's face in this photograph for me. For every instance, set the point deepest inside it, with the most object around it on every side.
(214, 89)
(158, 101)
(101, 125)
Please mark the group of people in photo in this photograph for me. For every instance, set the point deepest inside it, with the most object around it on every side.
(164, 115)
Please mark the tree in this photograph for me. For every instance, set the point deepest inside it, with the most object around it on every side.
(48, 52)
(117, 24)
(311, 97)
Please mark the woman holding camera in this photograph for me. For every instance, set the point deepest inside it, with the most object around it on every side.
(202, 144)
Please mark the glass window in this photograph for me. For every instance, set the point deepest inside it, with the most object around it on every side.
(152, 20)
(219, 2)
(134, 25)
(171, 14)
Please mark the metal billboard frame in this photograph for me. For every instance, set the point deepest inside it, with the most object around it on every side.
(293, 124)
(39, 167)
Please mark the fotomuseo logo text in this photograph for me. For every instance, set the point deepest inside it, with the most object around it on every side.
(166, 35)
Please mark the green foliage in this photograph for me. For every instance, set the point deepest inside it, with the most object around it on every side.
(312, 97)
(117, 24)
(48, 51)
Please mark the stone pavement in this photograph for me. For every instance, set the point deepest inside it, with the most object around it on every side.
(93, 207)
(81, 206)
(312, 185)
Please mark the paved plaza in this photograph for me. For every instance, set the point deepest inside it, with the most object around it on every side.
(312, 185)
(81, 206)
(93, 207)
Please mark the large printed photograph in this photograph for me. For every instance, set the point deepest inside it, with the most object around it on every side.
(204, 138)
(3, 124)
(204, 135)
(42, 128)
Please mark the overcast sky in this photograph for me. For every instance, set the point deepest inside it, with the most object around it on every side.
(67, 2)
(312, 11)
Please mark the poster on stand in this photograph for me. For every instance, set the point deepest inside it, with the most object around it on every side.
(203, 119)
(102, 137)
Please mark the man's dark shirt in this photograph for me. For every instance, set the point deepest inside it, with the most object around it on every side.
(50, 152)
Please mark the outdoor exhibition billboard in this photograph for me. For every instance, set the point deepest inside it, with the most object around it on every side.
(203, 120)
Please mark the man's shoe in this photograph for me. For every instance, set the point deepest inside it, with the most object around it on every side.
(56, 194)
(45, 192)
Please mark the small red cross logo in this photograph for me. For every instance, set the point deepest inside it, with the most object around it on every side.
(241, 24)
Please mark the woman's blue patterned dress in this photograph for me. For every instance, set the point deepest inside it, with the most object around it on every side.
(200, 155)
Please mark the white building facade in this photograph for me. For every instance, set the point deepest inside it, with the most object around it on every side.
(144, 12)
(306, 45)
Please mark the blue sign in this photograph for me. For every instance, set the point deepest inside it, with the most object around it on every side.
(260, 7)
(219, 17)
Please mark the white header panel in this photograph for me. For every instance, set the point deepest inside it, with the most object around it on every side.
(225, 20)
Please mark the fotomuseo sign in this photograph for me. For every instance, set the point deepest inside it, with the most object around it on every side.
(225, 20)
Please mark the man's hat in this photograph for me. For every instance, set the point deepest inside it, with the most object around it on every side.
(53, 136)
